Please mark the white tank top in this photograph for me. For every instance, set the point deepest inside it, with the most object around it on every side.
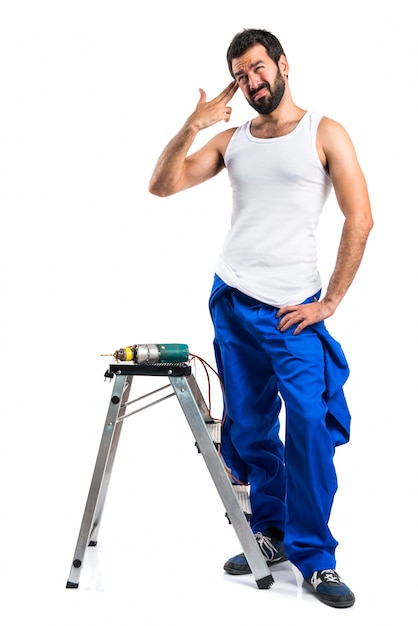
(279, 188)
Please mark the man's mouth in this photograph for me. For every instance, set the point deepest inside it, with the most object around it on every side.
(260, 93)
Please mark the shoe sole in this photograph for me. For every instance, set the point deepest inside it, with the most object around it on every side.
(246, 569)
(342, 604)
(331, 600)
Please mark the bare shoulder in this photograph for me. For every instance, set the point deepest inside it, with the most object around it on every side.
(334, 143)
(332, 134)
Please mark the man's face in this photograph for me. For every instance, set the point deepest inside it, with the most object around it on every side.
(259, 79)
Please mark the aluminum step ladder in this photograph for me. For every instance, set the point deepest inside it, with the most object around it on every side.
(183, 385)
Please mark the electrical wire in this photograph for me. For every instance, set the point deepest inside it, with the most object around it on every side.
(206, 367)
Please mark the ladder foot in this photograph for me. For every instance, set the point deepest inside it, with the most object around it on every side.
(266, 582)
(71, 585)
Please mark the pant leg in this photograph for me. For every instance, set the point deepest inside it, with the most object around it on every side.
(299, 363)
(251, 445)
(249, 348)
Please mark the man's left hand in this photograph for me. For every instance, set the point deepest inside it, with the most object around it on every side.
(302, 315)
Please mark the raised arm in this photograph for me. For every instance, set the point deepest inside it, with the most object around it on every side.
(338, 154)
(175, 170)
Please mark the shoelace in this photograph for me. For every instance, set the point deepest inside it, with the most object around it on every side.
(266, 546)
(329, 576)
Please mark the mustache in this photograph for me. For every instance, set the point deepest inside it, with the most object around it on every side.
(262, 86)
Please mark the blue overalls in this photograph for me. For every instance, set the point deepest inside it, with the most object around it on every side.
(292, 476)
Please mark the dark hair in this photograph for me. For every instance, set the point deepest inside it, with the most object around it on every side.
(249, 37)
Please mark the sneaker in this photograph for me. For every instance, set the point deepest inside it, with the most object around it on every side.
(330, 589)
(272, 549)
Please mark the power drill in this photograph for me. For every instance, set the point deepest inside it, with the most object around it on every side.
(149, 353)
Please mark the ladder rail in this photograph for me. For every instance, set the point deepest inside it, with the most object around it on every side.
(93, 511)
(191, 405)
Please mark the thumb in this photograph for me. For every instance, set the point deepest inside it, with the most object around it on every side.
(202, 98)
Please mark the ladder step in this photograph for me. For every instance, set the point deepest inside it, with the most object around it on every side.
(242, 491)
(243, 495)
(214, 430)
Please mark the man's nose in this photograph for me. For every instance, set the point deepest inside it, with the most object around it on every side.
(253, 81)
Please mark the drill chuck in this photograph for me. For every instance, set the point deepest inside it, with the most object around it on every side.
(149, 353)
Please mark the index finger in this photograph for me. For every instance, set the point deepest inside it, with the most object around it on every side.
(229, 91)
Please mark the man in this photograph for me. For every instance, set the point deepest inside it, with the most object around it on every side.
(271, 344)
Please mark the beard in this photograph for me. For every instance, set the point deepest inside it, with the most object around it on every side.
(268, 104)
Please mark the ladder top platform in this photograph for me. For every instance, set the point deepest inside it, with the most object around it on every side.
(156, 369)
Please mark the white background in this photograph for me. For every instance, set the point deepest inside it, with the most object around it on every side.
(90, 94)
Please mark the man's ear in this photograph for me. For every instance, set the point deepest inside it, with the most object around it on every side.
(283, 66)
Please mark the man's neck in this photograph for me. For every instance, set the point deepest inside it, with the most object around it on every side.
(280, 122)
